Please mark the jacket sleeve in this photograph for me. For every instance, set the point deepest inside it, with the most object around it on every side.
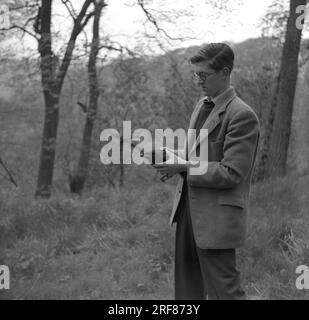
(239, 150)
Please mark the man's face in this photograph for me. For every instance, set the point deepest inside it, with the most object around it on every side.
(210, 81)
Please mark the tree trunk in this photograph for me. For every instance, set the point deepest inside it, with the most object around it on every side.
(51, 99)
(52, 84)
(280, 136)
(262, 156)
(78, 179)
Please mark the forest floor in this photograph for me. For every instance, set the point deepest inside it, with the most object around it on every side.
(117, 244)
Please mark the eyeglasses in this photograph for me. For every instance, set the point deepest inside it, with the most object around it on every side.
(202, 75)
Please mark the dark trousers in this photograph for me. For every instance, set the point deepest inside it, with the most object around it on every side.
(202, 273)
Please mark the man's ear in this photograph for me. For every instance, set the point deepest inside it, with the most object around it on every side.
(226, 71)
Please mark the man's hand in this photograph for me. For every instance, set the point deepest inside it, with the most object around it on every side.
(172, 166)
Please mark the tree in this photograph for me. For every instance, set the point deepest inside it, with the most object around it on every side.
(52, 82)
(77, 180)
(284, 95)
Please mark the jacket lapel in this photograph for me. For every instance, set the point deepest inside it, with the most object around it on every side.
(195, 113)
(213, 119)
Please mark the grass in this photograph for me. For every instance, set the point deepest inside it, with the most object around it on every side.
(116, 244)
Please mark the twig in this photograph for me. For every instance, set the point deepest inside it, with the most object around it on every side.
(8, 172)
(22, 29)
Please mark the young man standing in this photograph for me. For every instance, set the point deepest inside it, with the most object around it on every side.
(210, 209)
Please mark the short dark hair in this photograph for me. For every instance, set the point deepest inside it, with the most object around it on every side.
(219, 55)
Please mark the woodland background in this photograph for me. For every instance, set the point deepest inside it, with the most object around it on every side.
(89, 231)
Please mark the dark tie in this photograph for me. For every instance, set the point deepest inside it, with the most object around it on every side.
(203, 115)
(201, 118)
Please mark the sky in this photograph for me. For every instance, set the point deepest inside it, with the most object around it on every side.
(123, 21)
(207, 24)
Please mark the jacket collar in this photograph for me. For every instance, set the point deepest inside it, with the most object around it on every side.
(221, 98)
(221, 102)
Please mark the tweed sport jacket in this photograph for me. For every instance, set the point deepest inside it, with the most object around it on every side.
(219, 198)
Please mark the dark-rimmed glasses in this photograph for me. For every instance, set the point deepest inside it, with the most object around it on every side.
(202, 75)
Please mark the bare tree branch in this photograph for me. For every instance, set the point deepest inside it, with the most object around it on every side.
(150, 17)
(78, 26)
(22, 29)
(8, 173)
(116, 46)
(70, 8)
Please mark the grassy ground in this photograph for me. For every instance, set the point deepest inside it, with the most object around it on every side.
(116, 244)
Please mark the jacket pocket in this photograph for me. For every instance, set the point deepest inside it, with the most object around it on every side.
(231, 201)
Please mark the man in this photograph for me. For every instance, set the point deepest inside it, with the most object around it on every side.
(210, 209)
